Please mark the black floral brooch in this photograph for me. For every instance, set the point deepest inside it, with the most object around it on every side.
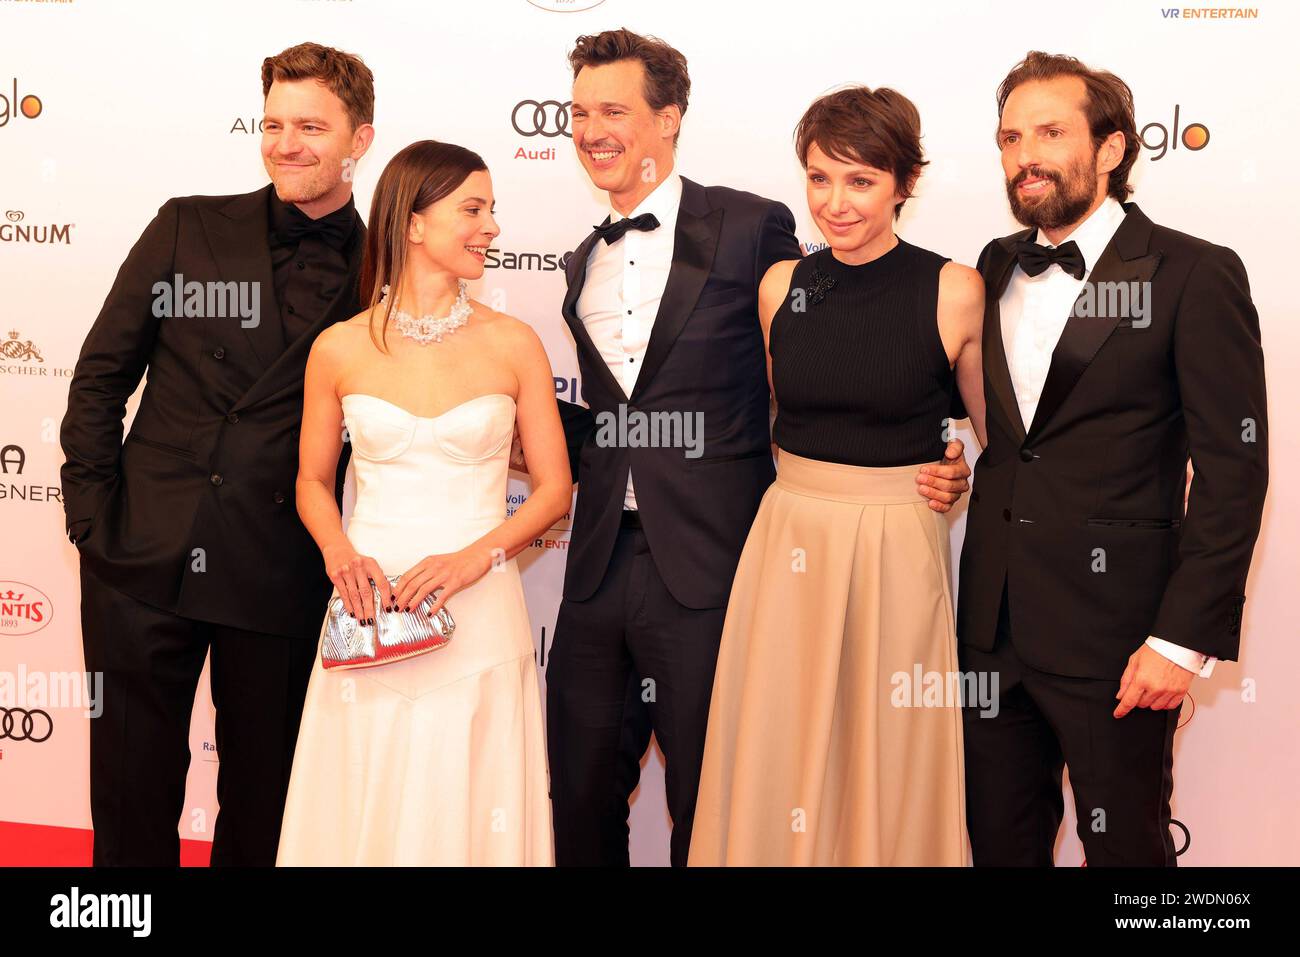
(821, 285)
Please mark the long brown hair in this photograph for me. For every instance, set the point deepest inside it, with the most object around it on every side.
(416, 178)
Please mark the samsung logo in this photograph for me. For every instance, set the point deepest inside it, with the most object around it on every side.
(541, 262)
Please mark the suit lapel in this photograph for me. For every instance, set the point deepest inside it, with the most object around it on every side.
(237, 237)
(577, 277)
(1125, 259)
(344, 305)
(997, 273)
(694, 243)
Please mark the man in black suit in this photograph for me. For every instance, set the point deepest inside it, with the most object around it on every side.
(187, 531)
(1092, 584)
(662, 303)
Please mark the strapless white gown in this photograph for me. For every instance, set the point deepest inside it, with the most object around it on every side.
(441, 758)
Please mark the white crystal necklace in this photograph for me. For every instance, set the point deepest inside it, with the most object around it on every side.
(426, 329)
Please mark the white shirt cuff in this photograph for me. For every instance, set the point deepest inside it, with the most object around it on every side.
(1193, 661)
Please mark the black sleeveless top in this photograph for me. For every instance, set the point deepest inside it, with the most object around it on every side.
(860, 375)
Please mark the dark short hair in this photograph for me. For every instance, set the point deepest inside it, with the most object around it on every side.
(666, 80)
(881, 128)
(1109, 106)
(344, 74)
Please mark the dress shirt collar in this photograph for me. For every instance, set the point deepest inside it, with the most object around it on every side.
(1094, 233)
(662, 201)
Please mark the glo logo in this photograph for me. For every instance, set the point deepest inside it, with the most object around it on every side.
(13, 106)
(1160, 139)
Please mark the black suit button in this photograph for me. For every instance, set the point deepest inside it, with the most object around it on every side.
(290, 308)
(278, 498)
(1026, 455)
(301, 265)
(215, 478)
(219, 354)
(1006, 515)
(232, 418)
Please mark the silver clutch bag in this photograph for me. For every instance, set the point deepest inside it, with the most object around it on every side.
(394, 635)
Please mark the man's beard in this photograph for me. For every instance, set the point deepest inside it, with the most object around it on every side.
(1069, 198)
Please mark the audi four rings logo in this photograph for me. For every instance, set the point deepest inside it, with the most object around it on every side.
(19, 725)
(549, 118)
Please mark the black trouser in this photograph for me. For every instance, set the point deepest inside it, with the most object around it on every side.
(1121, 769)
(151, 661)
(629, 642)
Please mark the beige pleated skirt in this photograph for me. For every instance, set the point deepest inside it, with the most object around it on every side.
(835, 733)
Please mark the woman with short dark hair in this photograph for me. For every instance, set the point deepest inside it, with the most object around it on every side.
(835, 732)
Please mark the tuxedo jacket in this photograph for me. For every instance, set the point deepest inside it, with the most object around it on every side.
(1080, 513)
(705, 355)
(194, 512)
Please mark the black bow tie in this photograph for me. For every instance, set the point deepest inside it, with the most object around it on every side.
(1034, 258)
(613, 232)
(333, 229)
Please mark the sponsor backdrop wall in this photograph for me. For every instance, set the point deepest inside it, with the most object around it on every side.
(109, 108)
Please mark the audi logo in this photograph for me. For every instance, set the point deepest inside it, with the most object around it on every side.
(549, 118)
(19, 725)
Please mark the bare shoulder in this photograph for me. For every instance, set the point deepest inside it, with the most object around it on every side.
(960, 287)
(513, 336)
(338, 343)
(332, 341)
(776, 281)
(772, 290)
(509, 328)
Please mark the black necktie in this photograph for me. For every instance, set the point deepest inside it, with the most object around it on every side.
(333, 229)
(613, 232)
(1034, 258)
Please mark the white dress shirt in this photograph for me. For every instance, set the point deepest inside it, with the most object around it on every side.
(1034, 312)
(625, 281)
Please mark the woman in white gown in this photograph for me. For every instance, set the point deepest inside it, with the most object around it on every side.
(440, 758)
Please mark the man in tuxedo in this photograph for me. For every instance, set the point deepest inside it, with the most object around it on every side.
(662, 304)
(187, 531)
(1114, 349)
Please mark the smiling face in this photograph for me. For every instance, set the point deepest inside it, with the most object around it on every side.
(852, 204)
(309, 147)
(1055, 175)
(453, 234)
(625, 146)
